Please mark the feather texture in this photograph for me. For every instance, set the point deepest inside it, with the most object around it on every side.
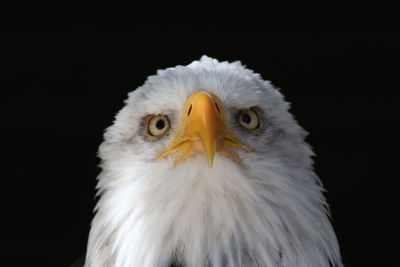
(268, 212)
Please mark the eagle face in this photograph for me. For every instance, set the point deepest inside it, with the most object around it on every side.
(205, 166)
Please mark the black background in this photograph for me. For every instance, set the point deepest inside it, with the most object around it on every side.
(61, 87)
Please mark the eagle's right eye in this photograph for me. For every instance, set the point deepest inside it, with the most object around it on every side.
(157, 125)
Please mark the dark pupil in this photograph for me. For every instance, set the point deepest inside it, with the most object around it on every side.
(160, 124)
(246, 118)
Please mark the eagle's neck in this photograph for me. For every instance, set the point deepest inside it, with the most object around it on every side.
(224, 216)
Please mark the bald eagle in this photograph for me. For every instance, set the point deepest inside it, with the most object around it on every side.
(205, 166)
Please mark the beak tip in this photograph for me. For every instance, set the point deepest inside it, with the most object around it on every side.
(210, 164)
(210, 157)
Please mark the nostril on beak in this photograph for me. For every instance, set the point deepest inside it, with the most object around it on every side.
(216, 105)
(189, 110)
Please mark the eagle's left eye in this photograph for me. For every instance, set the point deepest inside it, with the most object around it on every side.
(248, 119)
(157, 125)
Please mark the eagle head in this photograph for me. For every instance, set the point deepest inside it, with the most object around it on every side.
(205, 166)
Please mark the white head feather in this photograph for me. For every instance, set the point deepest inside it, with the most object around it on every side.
(268, 212)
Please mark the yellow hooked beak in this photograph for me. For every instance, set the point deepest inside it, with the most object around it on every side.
(202, 129)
